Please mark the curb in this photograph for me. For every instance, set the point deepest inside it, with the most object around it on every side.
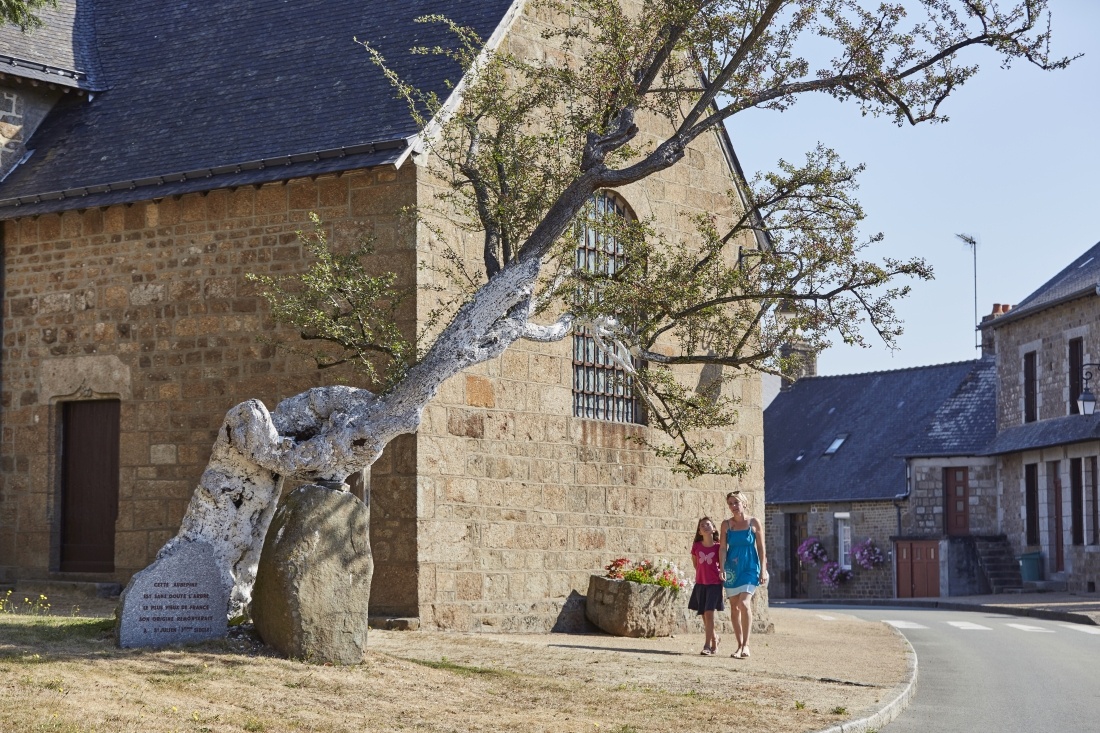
(1039, 613)
(893, 708)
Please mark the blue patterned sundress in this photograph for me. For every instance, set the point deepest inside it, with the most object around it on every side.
(742, 563)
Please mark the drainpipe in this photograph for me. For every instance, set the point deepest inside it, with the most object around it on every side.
(899, 498)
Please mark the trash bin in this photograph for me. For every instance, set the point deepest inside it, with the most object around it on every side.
(1031, 566)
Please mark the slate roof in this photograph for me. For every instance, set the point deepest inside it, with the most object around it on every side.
(1045, 434)
(966, 422)
(1080, 278)
(885, 415)
(62, 51)
(203, 94)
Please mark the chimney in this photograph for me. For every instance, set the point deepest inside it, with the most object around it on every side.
(989, 347)
(803, 362)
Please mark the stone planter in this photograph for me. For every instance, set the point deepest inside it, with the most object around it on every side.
(623, 608)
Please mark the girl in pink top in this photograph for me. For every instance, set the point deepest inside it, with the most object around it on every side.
(706, 597)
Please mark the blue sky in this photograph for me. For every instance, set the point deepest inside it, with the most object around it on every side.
(1016, 167)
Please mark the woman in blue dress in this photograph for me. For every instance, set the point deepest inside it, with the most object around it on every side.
(744, 566)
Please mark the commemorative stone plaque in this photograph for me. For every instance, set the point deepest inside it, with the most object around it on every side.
(178, 599)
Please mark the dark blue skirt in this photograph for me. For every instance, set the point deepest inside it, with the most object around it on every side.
(707, 598)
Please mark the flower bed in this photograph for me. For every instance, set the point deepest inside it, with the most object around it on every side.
(637, 599)
(664, 573)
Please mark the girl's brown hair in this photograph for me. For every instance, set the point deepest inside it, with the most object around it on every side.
(699, 535)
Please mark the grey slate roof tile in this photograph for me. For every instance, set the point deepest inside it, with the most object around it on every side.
(1046, 434)
(966, 422)
(201, 84)
(1081, 277)
(885, 415)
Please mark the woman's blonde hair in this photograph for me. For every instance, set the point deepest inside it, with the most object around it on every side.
(745, 499)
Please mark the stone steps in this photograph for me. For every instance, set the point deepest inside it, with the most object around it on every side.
(999, 564)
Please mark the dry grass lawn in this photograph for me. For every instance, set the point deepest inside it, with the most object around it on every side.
(65, 675)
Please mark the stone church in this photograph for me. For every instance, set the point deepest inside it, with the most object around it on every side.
(151, 155)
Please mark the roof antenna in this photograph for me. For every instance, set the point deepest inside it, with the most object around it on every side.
(971, 242)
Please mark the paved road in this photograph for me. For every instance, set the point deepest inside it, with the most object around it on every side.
(997, 673)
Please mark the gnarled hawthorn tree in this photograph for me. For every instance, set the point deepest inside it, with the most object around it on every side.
(525, 149)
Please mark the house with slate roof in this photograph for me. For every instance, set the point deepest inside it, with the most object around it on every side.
(151, 155)
(1046, 349)
(878, 457)
(967, 472)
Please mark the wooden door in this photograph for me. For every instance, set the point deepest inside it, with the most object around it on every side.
(798, 531)
(918, 569)
(89, 485)
(957, 501)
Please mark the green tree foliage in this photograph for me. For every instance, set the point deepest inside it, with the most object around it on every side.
(530, 141)
(343, 314)
(21, 12)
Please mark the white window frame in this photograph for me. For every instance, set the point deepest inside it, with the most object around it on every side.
(843, 539)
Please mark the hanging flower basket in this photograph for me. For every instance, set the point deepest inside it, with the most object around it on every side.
(868, 555)
(812, 552)
(832, 575)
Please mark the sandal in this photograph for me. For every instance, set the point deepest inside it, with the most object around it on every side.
(745, 652)
(707, 651)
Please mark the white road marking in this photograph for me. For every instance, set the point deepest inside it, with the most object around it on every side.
(968, 626)
(905, 624)
(823, 617)
(1025, 627)
(1085, 629)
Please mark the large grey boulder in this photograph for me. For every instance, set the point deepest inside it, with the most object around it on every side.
(313, 582)
(623, 608)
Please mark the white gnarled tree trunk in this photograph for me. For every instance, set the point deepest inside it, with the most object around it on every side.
(328, 433)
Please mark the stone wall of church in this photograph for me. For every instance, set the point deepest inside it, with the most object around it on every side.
(519, 501)
(148, 304)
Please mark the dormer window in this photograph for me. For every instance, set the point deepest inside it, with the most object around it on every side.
(835, 445)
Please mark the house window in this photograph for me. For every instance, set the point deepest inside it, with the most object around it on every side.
(844, 540)
(1031, 502)
(601, 390)
(1031, 388)
(1076, 366)
(1077, 501)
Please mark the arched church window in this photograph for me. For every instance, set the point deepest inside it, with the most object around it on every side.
(601, 389)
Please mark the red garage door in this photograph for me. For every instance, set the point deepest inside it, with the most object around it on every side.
(918, 569)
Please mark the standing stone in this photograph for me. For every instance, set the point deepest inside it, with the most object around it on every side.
(313, 584)
(180, 598)
(623, 608)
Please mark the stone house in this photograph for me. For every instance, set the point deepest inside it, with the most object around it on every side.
(1046, 348)
(154, 154)
(879, 456)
